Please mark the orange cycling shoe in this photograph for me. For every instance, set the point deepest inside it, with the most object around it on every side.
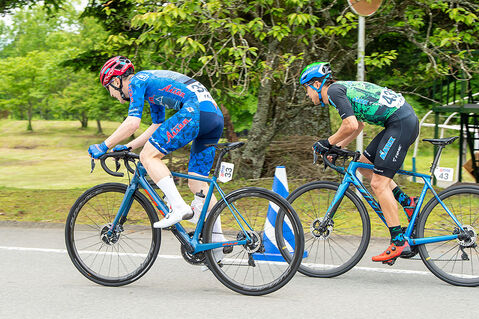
(409, 210)
(393, 252)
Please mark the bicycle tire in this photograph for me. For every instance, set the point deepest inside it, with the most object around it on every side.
(245, 270)
(343, 245)
(455, 261)
(138, 243)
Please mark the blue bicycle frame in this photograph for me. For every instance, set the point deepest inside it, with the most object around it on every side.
(350, 178)
(192, 243)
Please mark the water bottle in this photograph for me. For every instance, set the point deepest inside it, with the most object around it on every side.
(197, 206)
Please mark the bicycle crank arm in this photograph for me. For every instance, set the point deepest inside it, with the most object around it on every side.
(185, 243)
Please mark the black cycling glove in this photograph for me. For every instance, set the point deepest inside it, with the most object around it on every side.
(322, 146)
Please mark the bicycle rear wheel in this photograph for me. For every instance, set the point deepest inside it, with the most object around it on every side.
(341, 245)
(454, 261)
(256, 268)
(123, 257)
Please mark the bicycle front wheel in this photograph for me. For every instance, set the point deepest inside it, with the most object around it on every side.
(258, 267)
(122, 257)
(454, 261)
(337, 248)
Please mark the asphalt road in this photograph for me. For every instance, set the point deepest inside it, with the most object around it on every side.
(38, 280)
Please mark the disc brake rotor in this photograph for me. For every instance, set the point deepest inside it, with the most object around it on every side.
(255, 244)
(113, 238)
(321, 232)
(472, 236)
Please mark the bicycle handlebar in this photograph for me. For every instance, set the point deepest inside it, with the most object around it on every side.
(128, 157)
(336, 152)
(125, 155)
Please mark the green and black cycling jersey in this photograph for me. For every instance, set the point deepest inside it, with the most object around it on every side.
(369, 102)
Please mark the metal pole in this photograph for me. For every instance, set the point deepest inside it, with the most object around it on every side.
(360, 75)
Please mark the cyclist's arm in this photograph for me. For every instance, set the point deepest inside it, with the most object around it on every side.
(351, 137)
(141, 140)
(348, 127)
(125, 130)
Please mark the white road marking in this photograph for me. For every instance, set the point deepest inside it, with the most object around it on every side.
(64, 251)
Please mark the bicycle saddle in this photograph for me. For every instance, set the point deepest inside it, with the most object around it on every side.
(441, 141)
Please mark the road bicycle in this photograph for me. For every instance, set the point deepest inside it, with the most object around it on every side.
(110, 237)
(337, 227)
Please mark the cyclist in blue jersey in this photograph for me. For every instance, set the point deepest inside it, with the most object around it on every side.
(198, 119)
(359, 102)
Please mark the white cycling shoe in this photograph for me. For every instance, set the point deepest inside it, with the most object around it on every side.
(174, 217)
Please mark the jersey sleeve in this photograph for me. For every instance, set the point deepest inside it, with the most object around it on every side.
(157, 114)
(136, 91)
(338, 98)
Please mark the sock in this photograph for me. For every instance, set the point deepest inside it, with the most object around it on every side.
(397, 237)
(401, 197)
(168, 187)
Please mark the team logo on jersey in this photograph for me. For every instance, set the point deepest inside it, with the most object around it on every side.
(176, 129)
(173, 90)
(142, 77)
(386, 148)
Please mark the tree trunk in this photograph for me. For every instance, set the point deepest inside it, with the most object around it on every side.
(264, 123)
(30, 115)
(229, 127)
(99, 129)
(84, 120)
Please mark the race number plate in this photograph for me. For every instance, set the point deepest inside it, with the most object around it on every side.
(390, 98)
(226, 172)
(444, 174)
(201, 92)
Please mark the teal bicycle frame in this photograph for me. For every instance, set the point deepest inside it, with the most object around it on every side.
(351, 178)
(192, 244)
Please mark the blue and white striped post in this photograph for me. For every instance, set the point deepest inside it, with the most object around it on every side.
(272, 253)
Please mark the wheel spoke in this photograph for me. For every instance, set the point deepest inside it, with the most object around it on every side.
(118, 258)
(452, 261)
(331, 252)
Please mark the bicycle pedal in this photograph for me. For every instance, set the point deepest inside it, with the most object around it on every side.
(227, 250)
(389, 262)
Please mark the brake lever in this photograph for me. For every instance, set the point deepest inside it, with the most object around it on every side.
(92, 165)
(334, 159)
(117, 164)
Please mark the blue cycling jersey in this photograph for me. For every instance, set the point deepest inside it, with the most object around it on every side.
(198, 117)
(166, 89)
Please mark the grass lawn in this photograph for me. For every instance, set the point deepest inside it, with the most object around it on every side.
(43, 172)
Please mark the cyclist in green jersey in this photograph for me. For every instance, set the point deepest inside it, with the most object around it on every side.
(359, 102)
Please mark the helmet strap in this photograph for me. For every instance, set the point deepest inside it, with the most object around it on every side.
(319, 90)
(120, 89)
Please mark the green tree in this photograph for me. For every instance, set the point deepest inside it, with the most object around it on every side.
(20, 78)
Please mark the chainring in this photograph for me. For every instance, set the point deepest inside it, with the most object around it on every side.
(196, 259)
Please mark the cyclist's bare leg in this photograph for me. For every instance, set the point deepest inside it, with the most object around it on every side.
(380, 185)
(368, 173)
(150, 157)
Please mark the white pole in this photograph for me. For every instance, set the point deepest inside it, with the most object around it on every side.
(360, 75)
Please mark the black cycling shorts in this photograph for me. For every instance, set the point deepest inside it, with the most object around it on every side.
(388, 149)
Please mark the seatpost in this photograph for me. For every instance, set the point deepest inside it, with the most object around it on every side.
(436, 160)
(218, 163)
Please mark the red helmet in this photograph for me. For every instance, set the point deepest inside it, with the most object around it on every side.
(114, 67)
